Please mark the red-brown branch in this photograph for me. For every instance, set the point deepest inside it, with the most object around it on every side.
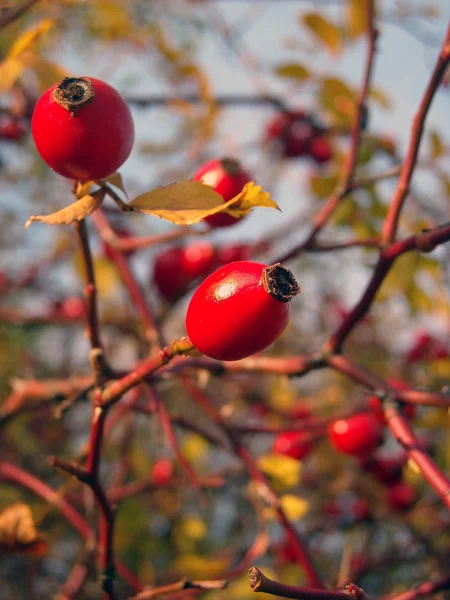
(393, 215)
(424, 242)
(260, 583)
(425, 589)
(152, 330)
(405, 436)
(297, 544)
(324, 215)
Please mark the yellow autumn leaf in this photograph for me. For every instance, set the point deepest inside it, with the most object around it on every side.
(188, 202)
(115, 180)
(283, 470)
(294, 507)
(356, 13)
(70, 214)
(294, 71)
(10, 70)
(195, 566)
(251, 195)
(46, 72)
(194, 447)
(324, 31)
(18, 532)
(29, 37)
(192, 528)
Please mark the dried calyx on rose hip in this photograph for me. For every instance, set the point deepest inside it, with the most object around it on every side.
(83, 128)
(240, 309)
(227, 177)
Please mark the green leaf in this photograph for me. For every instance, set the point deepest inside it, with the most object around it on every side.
(324, 31)
(292, 71)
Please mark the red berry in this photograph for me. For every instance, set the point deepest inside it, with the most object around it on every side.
(401, 496)
(176, 268)
(12, 130)
(293, 132)
(360, 510)
(73, 307)
(233, 253)
(293, 443)
(320, 150)
(376, 405)
(240, 309)
(385, 470)
(300, 411)
(83, 128)
(359, 434)
(227, 177)
(162, 471)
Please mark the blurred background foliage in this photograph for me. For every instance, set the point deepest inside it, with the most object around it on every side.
(154, 53)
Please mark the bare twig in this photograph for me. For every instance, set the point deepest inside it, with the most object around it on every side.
(391, 221)
(183, 584)
(260, 583)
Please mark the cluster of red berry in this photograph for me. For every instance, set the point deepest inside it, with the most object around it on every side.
(84, 130)
(295, 134)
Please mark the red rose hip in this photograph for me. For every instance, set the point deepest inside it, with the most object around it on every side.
(83, 128)
(357, 435)
(293, 443)
(227, 177)
(240, 309)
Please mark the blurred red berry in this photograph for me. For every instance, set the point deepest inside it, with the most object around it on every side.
(357, 435)
(71, 308)
(386, 470)
(12, 130)
(299, 411)
(232, 253)
(293, 443)
(294, 133)
(176, 268)
(321, 150)
(401, 496)
(227, 177)
(360, 510)
(162, 471)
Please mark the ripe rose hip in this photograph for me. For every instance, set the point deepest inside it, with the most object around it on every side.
(293, 132)
(176, 268)
(376, 405)
(233, 253)
(83, 128)
(227, 177)
(320, 150)
(240, 309)
(162, 471)
(292, 443)
(358, 435)
(401, 496)
(385, 470)
(12, 130)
